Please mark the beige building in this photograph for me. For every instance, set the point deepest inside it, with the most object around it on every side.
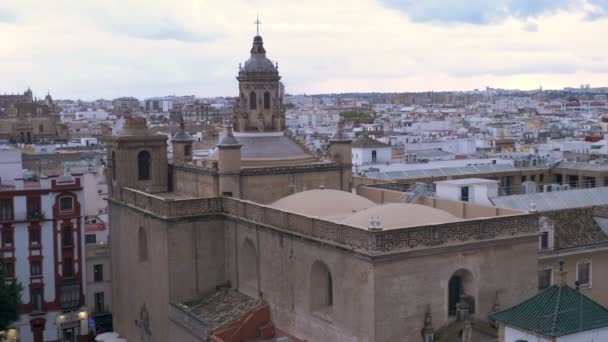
(25, 120)
(265, 218)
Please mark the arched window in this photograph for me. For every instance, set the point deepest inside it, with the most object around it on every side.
(143, 165)
(266, 100)
(460, 289)
(253, 101)
(142, 243)
(321, 287)
(113, 165)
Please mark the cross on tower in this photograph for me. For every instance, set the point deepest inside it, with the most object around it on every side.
(257, 24)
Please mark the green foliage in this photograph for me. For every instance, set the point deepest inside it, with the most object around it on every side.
(10, 300)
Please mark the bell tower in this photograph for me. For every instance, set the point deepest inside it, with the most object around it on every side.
(137, 159)
(260, 103)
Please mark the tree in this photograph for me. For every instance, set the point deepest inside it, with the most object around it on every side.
(10, 300)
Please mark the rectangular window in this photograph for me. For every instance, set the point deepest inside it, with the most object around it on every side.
(98, 273)
(35, 236)
(6, 209)
(90, 238)
(9, 269)
(464, 194)
(544, 240)
(99, 302)
(541, 178)
(68, 270)
(35, 269)
(66, 236)
(36, 299)
(544, 278)
(533, 178)
(7, 238)
(524, 178)
(605, 181)
(33, 207)
(583, 273)
(70, 295)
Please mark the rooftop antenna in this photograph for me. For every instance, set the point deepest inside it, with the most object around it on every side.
(257, 24)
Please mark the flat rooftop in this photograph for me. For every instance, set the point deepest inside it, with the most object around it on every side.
(555, 200)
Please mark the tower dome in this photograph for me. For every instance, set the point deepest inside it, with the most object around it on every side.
(258, 61)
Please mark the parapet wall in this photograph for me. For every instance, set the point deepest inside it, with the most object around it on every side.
(361, 240)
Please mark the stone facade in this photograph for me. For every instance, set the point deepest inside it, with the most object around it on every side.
(270, 254)
(24, 120)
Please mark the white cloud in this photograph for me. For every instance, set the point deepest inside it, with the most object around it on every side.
(109, 48)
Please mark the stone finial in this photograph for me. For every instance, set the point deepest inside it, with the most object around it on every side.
(375, 224)
(532, 207)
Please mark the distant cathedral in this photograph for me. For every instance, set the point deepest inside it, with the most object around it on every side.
(24, 119)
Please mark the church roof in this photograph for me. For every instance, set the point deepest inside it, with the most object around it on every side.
(400, 215)
(325, 203)
(556, 311)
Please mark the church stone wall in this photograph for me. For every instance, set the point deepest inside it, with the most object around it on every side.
(135, 282)
(285, 266)
(197, 184)
(405, 287)
(196, 258)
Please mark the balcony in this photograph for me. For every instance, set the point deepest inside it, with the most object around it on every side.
(35, 216)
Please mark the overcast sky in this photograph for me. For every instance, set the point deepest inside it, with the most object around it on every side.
(93, 49)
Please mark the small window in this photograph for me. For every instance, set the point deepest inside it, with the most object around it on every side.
(68, 268)
(35, 269)
(9, 269)
(66, 203)
(253, 102)
(544, 240)
(143, 165)
(266, 100)
(90, 238)
(66, 236)
(524, 178)
(541, 178)
(36, 299)
(6, 209)
(33, 207)
(187, 150)
(544, 278)
(7, 238)
(34, 236)
(40, 128)
(99, 302)
(98, 273)
(583, 273)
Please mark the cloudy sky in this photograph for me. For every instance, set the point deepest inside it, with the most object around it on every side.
(92, 49)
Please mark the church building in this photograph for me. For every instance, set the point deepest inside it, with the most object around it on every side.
(265, 238)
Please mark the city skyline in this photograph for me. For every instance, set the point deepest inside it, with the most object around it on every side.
(143, 49)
